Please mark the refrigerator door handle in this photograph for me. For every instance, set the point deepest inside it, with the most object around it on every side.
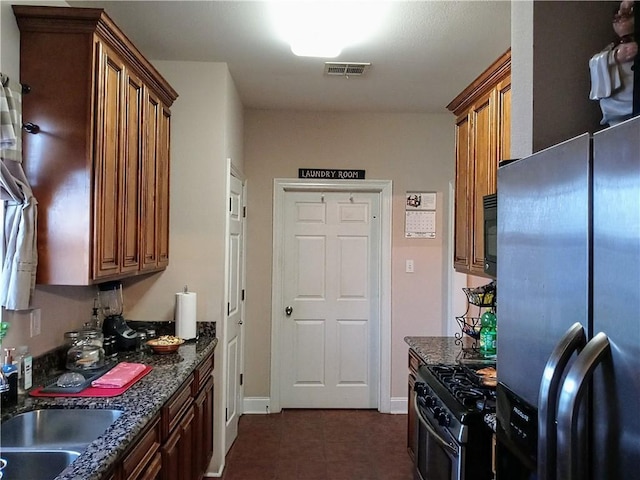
(572, 341)
(573, 389)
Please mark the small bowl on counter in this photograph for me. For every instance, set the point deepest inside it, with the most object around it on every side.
(165, 344)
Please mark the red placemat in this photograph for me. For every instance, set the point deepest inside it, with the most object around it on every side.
(93, 391)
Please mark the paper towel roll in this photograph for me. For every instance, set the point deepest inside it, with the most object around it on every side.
(186, 310)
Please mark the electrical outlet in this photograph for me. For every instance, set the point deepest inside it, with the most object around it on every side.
(409, 266)
(35, 322)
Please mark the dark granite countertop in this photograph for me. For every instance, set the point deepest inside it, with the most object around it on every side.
(447, 350)
(139, 405)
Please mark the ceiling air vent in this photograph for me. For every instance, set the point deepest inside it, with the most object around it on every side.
(345, 69)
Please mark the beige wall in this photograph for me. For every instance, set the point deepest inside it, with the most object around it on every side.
(415, 151)
(550, 96)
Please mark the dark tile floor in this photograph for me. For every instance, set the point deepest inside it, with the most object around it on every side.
(320, 445)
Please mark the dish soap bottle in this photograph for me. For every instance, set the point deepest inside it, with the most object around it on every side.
(488, 333)
(9, 395)
(25, 372)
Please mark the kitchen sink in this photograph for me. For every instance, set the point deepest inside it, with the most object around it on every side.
(35, 464)
(56, 429)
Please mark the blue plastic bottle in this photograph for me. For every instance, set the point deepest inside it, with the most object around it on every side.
(9, 390)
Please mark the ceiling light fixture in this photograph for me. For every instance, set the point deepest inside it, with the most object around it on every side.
(324, 28)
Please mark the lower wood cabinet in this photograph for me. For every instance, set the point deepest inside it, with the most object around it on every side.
(144, 461)
(178, 443)
(203, 432)
(177, 450)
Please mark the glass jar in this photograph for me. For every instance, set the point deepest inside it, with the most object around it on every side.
(87, 352)
(110, 349)
(91, 336)
(84, 356)
(142, 341)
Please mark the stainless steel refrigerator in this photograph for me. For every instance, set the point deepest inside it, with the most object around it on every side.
(568, 308)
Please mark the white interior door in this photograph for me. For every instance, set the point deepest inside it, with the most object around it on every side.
(235, 310)
(329, 355)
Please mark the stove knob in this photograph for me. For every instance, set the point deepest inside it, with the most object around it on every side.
(429, 401)
(420, 388)
(436, 411)
(444, 419)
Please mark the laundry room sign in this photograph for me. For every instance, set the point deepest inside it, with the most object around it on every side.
(330, 174)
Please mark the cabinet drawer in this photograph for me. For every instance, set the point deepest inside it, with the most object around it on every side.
(202, 374)
(144, 460)
(414, 361)
(174, 408)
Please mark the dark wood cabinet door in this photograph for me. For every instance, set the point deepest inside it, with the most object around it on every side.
(162, 188)
(464, 170)
(177, 451)
(153, 113)
(131, 171)
(483, 178)
(171, 457)
(203, 428)
(108, 161)
(144, 461)
(186, 457)
(208, 421)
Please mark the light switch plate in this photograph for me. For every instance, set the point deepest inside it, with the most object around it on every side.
(409, 266)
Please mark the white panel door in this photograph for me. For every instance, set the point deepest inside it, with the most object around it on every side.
(329, 340)
(233, 322)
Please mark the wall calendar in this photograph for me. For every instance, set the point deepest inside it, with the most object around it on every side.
(420, 215)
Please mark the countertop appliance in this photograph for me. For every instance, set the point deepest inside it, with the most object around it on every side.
(569, 336)
(490, 212)
(453, 443)
(114, 324)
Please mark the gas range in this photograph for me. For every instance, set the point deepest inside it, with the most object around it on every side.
(453, 442)
(455, 397)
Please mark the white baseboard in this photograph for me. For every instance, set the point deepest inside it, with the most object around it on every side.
(217, 474)
(260, 405)
(399, 405)
(256, 405)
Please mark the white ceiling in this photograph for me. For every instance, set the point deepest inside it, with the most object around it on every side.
(426, 53)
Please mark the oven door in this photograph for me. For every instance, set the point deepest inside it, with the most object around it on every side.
(438, 454)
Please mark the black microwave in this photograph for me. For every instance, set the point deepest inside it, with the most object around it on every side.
(490, 204)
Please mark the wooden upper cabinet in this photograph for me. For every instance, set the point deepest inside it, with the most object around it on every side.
(464, 173)
(149, 177)
(99, 167)
(162, 188)
(483, 138)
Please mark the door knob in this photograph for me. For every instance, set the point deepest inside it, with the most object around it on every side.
(288, 311)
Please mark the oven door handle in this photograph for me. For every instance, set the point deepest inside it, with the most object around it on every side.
(441, 441)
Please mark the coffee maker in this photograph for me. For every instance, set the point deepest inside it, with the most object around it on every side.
(114, 324)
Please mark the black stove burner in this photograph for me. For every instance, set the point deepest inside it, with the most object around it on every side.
(465, 387)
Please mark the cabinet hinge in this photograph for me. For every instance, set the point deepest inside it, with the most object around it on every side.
(228, 308)
(230, 200)
(226, 414)
(243, 294)
(241, 378)
(244, 212)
